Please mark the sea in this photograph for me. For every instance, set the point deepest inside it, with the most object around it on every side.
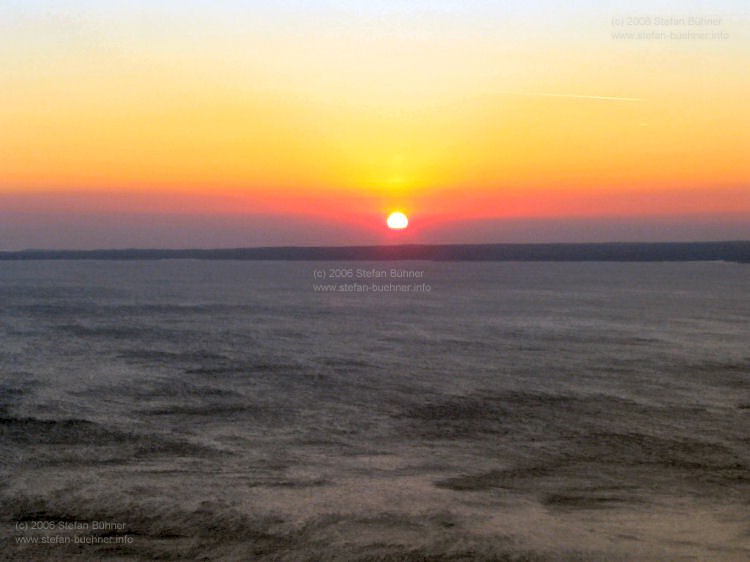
(302, 411)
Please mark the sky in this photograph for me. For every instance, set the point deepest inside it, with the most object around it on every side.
(226, 124)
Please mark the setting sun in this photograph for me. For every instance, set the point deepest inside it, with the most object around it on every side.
(397, 221)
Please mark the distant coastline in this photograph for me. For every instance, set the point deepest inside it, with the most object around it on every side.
(733, 251)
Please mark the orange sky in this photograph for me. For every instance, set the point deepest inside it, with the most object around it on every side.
(343, 114)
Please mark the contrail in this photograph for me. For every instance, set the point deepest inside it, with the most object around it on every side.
(583, 97)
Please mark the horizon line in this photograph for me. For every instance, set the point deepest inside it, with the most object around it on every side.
(737, 251)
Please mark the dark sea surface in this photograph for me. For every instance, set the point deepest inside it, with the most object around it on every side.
(514, 412)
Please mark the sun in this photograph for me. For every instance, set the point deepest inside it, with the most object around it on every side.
(397, 221)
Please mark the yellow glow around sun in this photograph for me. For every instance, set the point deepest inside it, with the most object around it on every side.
(397, 221)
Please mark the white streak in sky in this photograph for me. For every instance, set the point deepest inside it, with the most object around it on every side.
(583, 97)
